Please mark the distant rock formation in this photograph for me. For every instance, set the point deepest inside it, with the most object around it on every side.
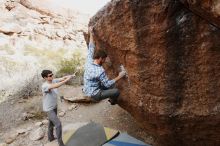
(172, 56)
(33, 32)
(28, 4)
(28, 18)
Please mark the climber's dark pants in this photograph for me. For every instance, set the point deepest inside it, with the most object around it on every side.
(107, 93)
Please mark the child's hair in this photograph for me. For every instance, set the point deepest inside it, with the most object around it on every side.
(100, 53)
(45, 73)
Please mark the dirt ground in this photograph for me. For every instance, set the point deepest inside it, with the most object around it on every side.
(102, 112)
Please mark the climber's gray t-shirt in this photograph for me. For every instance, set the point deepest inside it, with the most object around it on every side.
(49, 96)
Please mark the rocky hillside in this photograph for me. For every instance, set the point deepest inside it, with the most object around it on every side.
(34, 35)
(171, 51)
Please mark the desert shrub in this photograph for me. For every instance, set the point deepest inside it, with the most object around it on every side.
(31, 87)
(39, 115)
(71, 65)
(33, 108)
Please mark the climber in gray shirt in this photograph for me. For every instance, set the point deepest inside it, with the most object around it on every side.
(49, 89)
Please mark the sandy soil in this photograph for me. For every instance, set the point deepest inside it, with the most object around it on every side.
(110, 116)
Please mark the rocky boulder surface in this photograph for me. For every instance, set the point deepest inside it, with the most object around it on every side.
(172, 57)
(207, 9)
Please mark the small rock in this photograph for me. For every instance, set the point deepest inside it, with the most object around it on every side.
(10, 28)
(70, 108)
(29, 128)
(45, 122)
(60, 33)
(3, 144)
(9, 140)
(67, 37)
(39, 124)
(37, 134)
(62, 113)
(73, 107)
(21, 131)
(9, 5)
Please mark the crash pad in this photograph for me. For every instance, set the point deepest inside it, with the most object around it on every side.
(92, 134)
(124, 139)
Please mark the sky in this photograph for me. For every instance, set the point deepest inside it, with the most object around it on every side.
(85, 6)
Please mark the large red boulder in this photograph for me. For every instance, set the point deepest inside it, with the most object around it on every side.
(172, 56)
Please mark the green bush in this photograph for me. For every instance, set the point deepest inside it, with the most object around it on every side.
(71, 65)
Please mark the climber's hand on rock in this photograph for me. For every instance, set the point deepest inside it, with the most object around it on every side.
(122, 74)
